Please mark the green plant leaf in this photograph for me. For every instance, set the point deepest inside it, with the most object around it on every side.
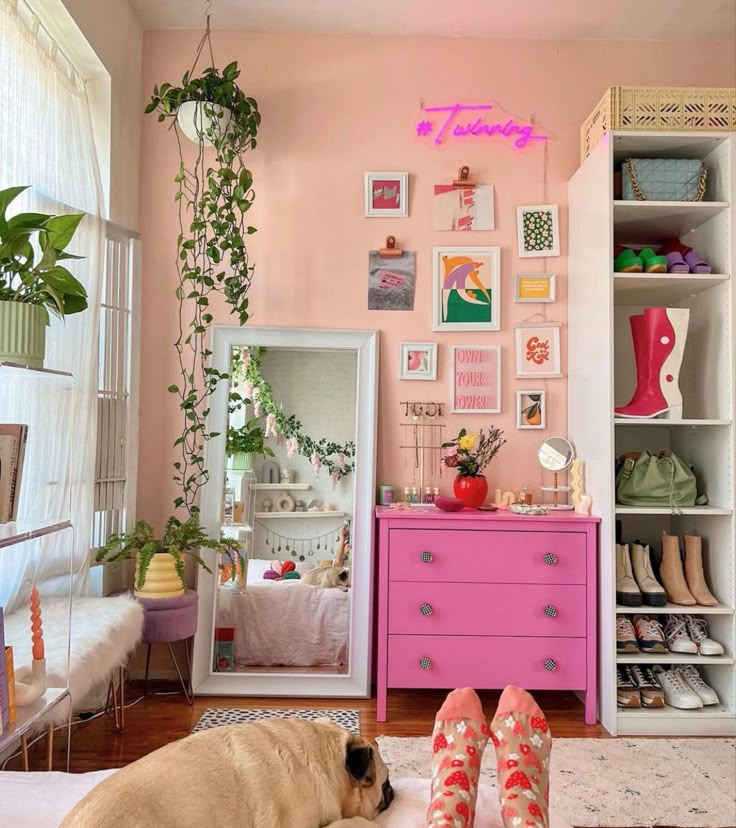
(63, 281)
(61, 229)
(7, 197)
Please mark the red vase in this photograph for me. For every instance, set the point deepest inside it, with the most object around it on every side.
(471, 490)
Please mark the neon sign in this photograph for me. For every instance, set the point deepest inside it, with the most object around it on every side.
(454, 125)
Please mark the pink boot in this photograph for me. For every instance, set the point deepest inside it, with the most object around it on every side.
(659, 342)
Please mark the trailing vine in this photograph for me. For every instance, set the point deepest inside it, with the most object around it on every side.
(214, 193)
(337, 458)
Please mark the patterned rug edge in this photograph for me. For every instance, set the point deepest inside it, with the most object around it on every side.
(220, 716)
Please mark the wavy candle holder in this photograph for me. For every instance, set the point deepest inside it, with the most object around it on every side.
(576, 481)
(30, 684)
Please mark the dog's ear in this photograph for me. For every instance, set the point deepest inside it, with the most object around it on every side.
(343, 576)
(359, 761)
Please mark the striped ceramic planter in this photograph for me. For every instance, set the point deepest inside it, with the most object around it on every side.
(162, 579)
(23, 333)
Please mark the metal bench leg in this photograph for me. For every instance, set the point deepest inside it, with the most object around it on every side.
(24, 752)
(50, 748)
(187, 694)
(148, 664)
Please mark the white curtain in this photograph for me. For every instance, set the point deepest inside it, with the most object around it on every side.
(46, 142)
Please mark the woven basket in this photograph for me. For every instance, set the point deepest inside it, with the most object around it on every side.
(659, 109)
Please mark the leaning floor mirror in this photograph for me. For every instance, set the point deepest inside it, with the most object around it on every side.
(291, 486)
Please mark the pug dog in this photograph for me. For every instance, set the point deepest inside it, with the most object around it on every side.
(281, 773)
(328, 577)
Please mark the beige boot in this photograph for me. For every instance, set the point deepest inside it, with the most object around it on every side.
(671, 572)
(627, 592)
(652, 593)
(694, 571)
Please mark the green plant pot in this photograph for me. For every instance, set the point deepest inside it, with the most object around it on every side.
(243, 461)
(23, 333)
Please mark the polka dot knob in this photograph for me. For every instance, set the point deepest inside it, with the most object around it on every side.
(550, 665)
(550, 559)
(425, 663)
(426, 609)
(550, 611)
(426, 557)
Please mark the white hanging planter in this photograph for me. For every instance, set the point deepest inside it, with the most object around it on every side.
(198, 120)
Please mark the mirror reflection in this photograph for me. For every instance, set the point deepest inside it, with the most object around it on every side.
(288, 502)
(556, 454)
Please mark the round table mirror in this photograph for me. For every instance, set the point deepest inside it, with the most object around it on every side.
(556, 454)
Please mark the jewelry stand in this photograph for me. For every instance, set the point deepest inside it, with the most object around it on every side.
(421, 440)
(556, 454)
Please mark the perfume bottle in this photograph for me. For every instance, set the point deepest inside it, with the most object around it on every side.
(428, 496)
(525, 495)
(415, 495)
(407, 494)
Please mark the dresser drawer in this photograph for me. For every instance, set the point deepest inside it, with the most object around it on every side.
(481, 556)
(446, 661)
(423, 608)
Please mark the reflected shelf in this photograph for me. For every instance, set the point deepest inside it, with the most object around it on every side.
(292, 515)
(241, 527)
(29, 715)
(273, 487)
(20, 531)
(21, 369)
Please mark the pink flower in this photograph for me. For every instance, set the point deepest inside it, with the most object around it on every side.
(341, 461)
(270, 425)
(316, 462)
(248, 390)
(257, 408)
(292, 447)
(451, 460)
(451, 451)
(335, 477)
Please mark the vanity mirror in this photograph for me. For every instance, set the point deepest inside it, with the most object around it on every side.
(556, 455)
(298, 496)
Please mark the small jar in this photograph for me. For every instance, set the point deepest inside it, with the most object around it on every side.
(407, 494)
(428, 496)
(415, 495)
(435, 494)
(525, 495)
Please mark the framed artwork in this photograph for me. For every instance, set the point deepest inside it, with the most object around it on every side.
(476, 379)
(538, 350)
(463, 208)
(531, 409)
(466, 294)
(418, 361)
(386, 194)
(391, 281)
(538, 231)
(534, 287)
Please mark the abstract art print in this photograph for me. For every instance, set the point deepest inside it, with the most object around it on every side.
(386, 194)
(418, 361)
(538, 350)
(538, 231)
(463, 208)
(466, 293)
(531, 409)
(476, 379)
(535, 287)
(391, 281)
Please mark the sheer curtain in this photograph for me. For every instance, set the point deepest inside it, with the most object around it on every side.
(46, 142)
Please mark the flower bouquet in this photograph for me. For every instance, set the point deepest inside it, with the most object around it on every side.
(470, 454)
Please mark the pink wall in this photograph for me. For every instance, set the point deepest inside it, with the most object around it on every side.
(334, 107)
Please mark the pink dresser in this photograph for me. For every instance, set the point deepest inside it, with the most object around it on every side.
(486, 599)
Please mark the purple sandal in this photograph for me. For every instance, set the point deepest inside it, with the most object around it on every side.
(676, 264)
(696, 264)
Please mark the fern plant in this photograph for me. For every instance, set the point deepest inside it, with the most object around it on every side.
(179, 539)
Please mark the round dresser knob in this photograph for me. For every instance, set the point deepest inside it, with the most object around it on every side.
(426, 609)
(550, 611)
(425, 663)
(550, 559)
(426, 557)
(550, 665)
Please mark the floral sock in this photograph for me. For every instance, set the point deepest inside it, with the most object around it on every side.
(459, 738)
(523, 745)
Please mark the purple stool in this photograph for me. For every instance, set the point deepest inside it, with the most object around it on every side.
(167, 620)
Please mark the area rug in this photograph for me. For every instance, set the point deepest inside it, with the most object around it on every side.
(599, 783)
(218, 716)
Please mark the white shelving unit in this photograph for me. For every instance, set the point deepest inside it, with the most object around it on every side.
(602, 375)
(298, 515)
(44, 516)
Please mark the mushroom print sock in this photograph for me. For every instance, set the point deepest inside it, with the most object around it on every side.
(523, 745)
(459, 738)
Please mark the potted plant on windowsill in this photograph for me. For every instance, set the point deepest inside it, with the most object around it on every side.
(244, 443)
(159, 568)
(470, 454)
(32, 282)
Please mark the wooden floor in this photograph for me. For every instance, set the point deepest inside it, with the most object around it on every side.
(160, 719)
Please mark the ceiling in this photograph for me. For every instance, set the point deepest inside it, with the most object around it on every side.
(534, 19)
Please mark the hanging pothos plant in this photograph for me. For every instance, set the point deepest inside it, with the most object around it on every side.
(337, 458)
(214, 193)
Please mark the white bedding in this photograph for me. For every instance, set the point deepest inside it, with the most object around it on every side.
(286, 622)
(42, 800)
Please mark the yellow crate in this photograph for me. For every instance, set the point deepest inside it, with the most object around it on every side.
(659, 109)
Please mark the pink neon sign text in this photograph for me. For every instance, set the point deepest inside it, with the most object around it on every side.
(455, 126)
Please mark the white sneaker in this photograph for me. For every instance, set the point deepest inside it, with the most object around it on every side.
(677, 692)
(678, 641)
(697, 629)
(693, 678)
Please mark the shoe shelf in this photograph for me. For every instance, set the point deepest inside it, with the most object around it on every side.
(675, 609)
(602, 375)
(671, 658)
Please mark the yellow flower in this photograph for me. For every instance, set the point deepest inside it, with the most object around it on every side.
(468, 442)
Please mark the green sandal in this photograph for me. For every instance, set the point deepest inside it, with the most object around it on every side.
(628, 262)
(652, 262)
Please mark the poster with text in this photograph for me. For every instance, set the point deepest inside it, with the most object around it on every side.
(463, 208)
(391, 281)
(476, 379)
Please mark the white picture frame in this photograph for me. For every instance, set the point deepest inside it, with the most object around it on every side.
(525, 399)
(538, 352)
(535, 288)
(546, 220)
(427, 366)
(388, 180)
(446, 264)
(480, 359)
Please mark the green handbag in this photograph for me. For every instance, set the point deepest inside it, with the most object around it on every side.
(656, 480)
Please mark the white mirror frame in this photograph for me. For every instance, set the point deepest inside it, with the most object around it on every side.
(356, 682)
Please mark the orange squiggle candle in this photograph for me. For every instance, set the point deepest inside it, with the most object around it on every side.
(36, 629)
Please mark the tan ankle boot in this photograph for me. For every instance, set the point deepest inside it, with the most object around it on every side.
(694, 571)
(671, 572)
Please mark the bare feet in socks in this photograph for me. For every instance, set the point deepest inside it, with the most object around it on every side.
(523, 744)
